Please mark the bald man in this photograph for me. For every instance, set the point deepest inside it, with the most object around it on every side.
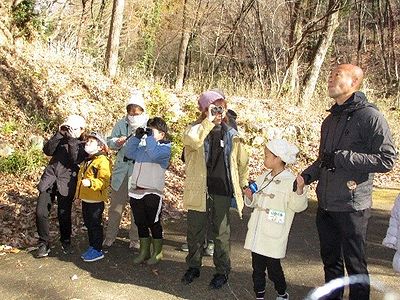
(355, 143)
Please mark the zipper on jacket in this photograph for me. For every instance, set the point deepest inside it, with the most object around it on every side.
(327, 172)
(140, 170)
(83, 176)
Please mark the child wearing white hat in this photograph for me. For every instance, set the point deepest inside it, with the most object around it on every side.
(274, 203)
(58, 182)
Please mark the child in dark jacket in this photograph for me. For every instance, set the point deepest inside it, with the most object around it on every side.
(59, 182)
(92, 190)
(151, 153)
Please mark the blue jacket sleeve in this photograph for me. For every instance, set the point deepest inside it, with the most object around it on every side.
(132, 146)
(158, 153)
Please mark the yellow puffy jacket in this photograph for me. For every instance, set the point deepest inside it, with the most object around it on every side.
(195, 187)
(98, 171)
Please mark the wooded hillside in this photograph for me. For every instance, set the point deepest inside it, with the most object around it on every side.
(271, 58)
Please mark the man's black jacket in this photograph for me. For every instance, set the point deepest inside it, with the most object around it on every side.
(359, 136)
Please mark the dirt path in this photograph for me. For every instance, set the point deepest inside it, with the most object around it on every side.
(24, 277)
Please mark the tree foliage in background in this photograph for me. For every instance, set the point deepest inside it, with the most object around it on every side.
(273, 48)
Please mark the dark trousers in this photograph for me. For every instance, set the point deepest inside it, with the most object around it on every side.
(218, 212)
(273, 266)
(342, 238)
(93, 217)
(43, 207)
(147, 213)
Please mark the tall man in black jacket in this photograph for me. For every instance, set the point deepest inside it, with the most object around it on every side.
(355, 143)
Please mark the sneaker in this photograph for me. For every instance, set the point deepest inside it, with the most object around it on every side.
(209, 249)
(93, 255)
(218, 281)
(260, 295)
(67, 248)
(190, 275)
(135, 244)
(43, 251)
(185, 247)
(283, 297)
(86, 252)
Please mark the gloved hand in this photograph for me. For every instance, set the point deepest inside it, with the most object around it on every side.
(149, 131)
(328, 161)
(66, 131)
(139, 133)
(86, 182)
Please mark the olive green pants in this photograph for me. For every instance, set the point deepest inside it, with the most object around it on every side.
(218, 208)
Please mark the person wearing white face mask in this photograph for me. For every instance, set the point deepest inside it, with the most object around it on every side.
(58, 182)
(136, 117)
(93, 182)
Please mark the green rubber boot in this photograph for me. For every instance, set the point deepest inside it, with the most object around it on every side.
(144, 251)
(157, 252)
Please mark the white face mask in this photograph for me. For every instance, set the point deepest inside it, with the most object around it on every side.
(138, 121)
(91, 148)
(76, 133)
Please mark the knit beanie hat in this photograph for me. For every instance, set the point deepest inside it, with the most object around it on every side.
(208, 98)
(137, 99)
(283, 149)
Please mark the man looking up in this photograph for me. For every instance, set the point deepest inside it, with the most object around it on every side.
(355, 143)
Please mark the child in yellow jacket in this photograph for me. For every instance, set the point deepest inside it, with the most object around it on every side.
(92, 189)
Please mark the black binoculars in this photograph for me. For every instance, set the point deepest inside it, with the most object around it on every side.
(217, 110)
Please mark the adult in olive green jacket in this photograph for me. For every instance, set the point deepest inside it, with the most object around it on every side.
(216, 170)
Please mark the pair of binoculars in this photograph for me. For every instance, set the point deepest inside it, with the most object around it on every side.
(217, 110)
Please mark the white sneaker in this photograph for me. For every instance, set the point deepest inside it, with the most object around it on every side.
(283, 297)
(185, 247)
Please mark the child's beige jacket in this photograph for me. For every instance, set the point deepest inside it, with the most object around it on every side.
(274, 207)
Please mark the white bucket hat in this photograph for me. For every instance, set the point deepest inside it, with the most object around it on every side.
(137, 99)
(74, 121)
(283, 149)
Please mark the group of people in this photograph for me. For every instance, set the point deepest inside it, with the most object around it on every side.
(355, 143)
(80, 170)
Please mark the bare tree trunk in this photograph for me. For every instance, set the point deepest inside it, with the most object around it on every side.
(295, 35)
(117, 17)
(361, 7)
(324, 43)
(263, 44)
(82, 23)
(182, 49)
(382, 41)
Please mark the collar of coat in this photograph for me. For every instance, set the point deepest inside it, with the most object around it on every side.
(357, 101)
